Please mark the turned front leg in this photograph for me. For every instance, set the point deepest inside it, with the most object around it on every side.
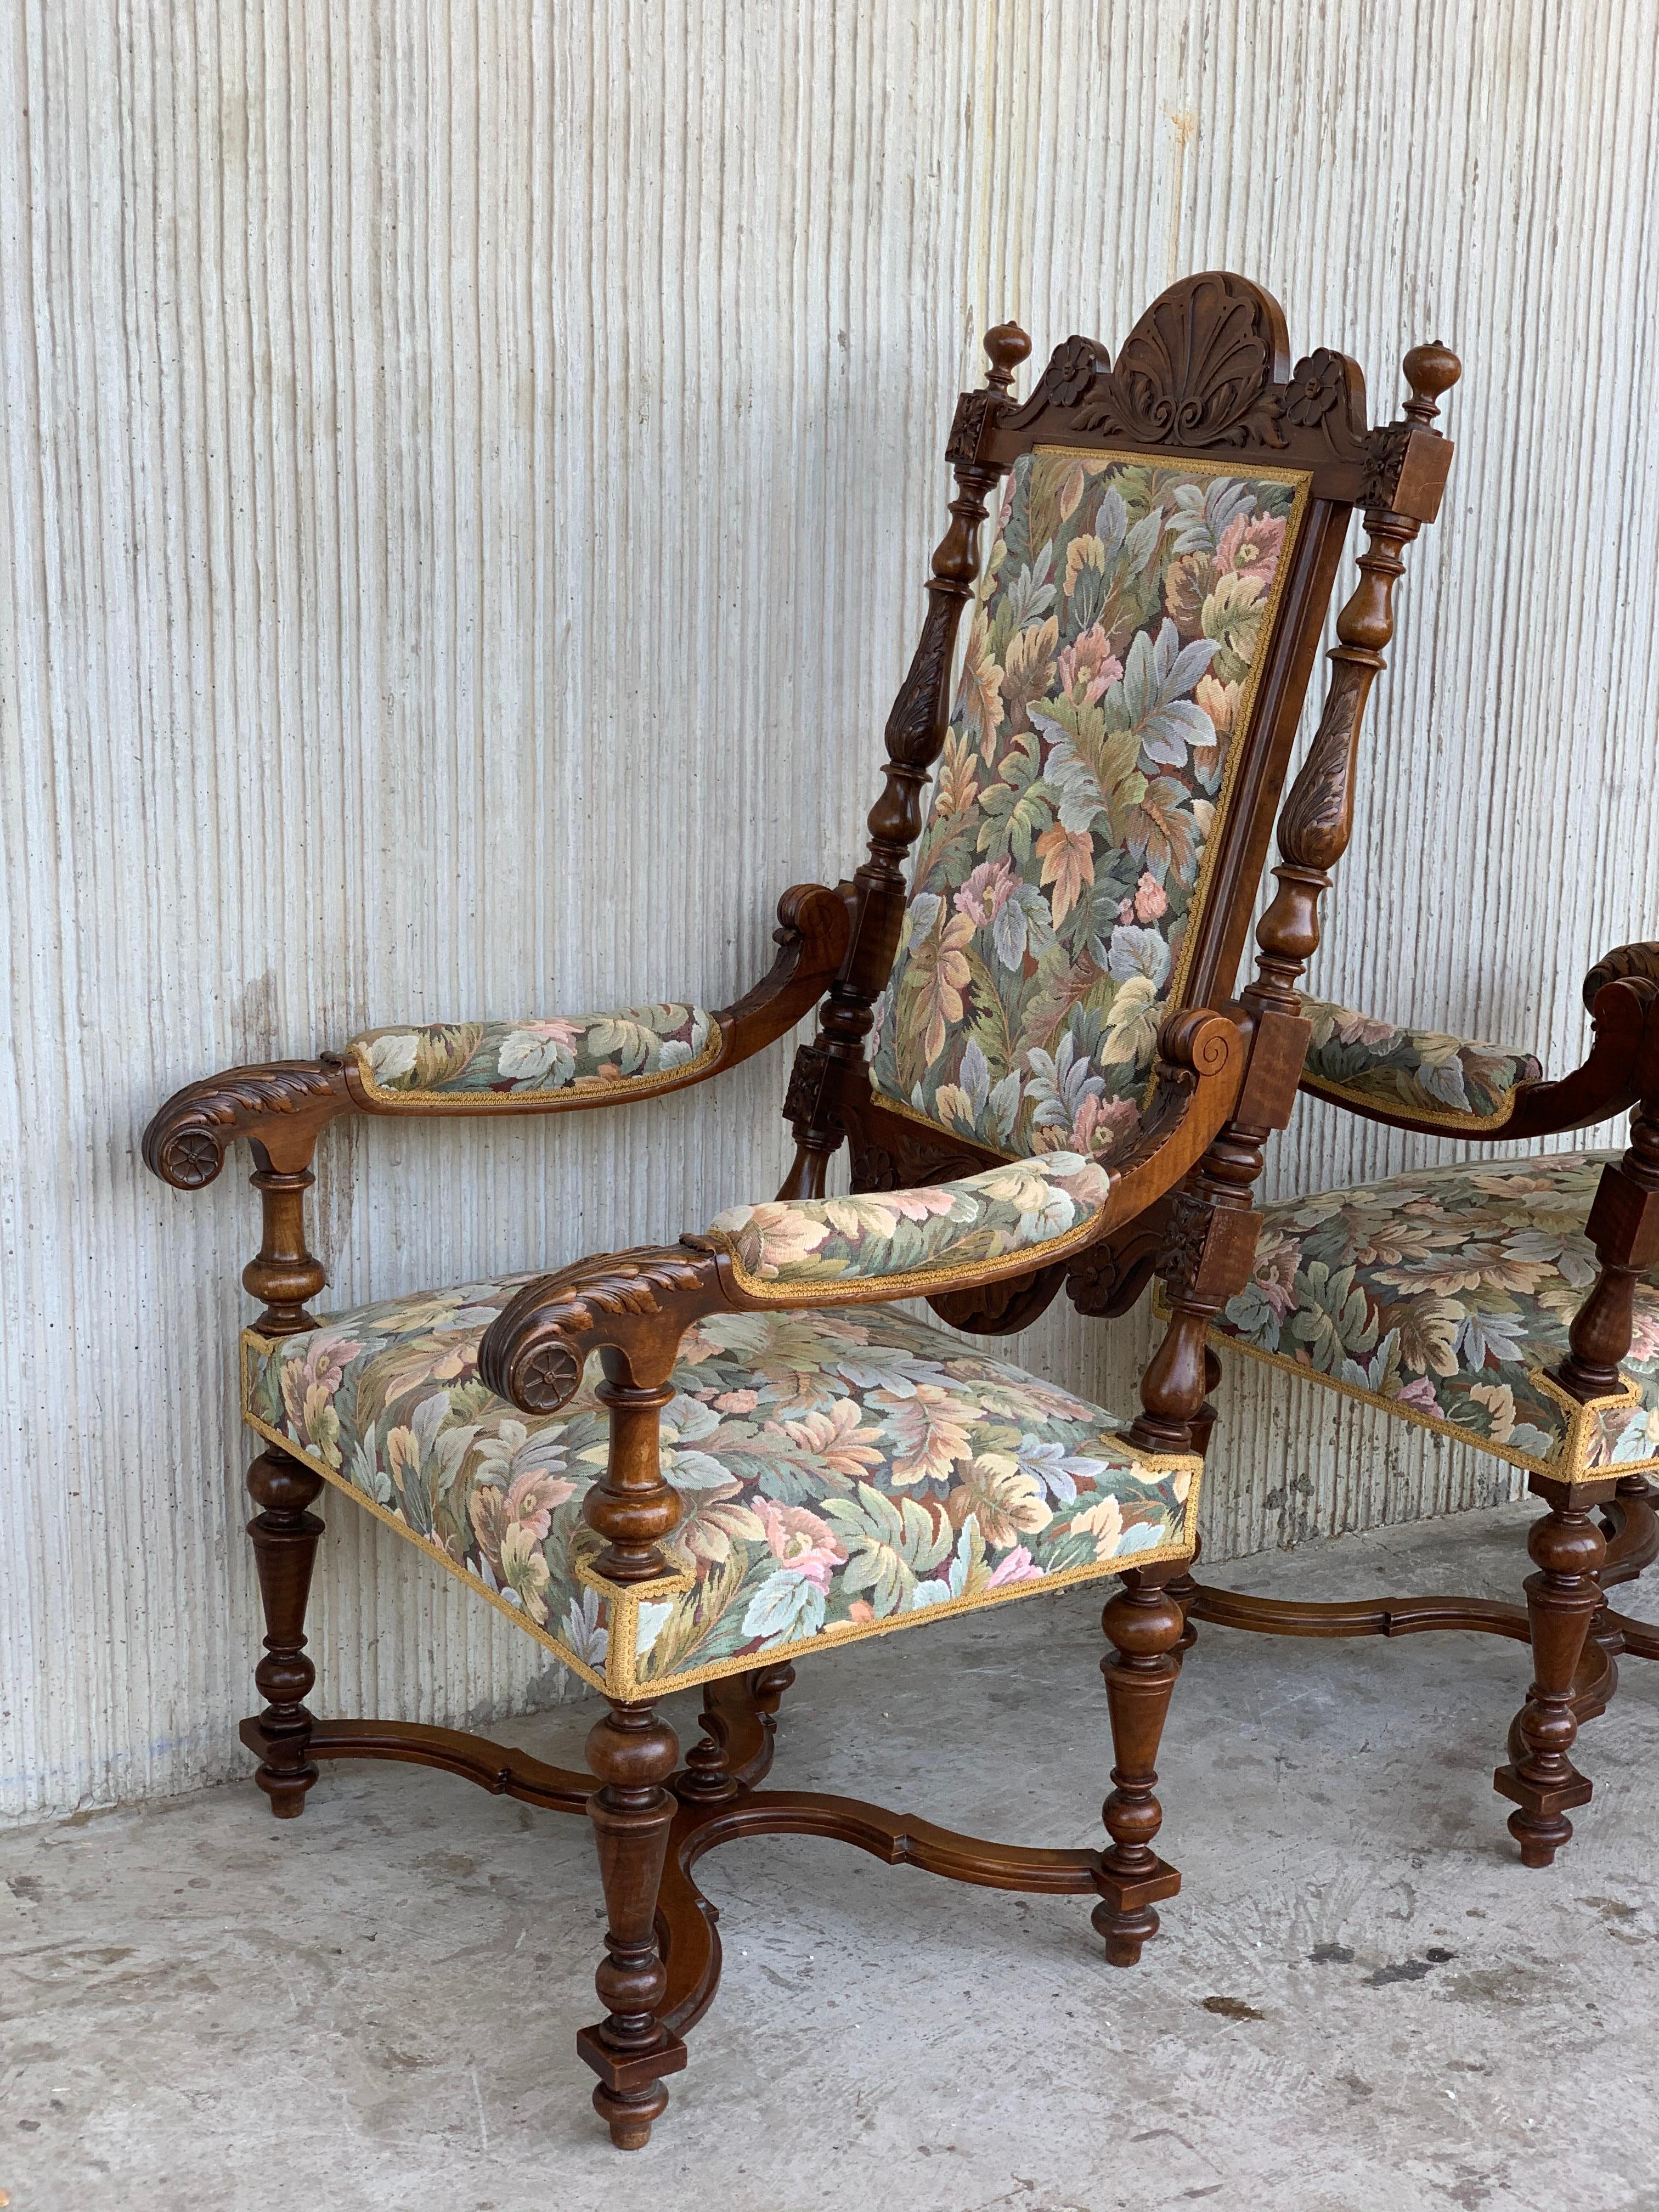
(632, 1754)
(284, 1538)
(1567, 1548)
(1145, 1624)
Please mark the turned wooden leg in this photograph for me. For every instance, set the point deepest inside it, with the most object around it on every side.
(632, 1754)
(1144, 1624)
(1567, 1548)
(284, 1536)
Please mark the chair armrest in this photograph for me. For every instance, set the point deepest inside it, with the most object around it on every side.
(1418, 1078)
(559, 1061)
(282, 1108)
(634, 1307)
(540, 1061)
(1622, 994)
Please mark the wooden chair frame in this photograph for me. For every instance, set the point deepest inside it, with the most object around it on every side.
(1206, 373)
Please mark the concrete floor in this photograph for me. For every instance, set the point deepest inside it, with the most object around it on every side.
(1360, 2000)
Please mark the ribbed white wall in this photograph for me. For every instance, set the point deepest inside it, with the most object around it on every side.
(467, 477)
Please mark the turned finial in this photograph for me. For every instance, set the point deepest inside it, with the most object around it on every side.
(1430, 370)
(1005, 347)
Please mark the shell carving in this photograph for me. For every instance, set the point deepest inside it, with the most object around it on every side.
(1197, 369)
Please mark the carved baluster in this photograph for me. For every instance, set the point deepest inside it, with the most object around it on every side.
(1567, 1548)
(285, 1272)
(1213, 1225)
(915, 736)
(1143, 1623)
(284, 1537)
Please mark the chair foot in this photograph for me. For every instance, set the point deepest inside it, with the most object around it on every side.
(284, 1536)
(1567, 1548)
(1144, 1624)
(632, 1753)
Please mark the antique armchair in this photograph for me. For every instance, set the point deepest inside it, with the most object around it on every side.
(772, 1460)
(1513, 1305)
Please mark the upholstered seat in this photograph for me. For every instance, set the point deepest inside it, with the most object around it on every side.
(840, 1473)
(1443, 1295)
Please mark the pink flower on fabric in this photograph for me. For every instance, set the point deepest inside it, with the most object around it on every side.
(1101, 1125)
(738, 1402)
(1017, 1567)
(556, 1027)
(1420, 1393)
(1150, 899)
(1091, 663)
(531, 1499)
(987, 891)
(800, 1541)
(1250, 547)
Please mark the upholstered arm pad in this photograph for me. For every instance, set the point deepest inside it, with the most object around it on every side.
(1048, 1205)
(1378, 1066)
(636, 1049)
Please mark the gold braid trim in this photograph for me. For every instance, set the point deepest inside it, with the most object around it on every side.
(1568, 1464)
(1398, 1110)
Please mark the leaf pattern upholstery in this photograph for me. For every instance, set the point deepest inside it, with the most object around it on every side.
(841, 1473)
(1443, 1295)
(1048, 1200)
(635, 1045)
(1354, 1055)
(1111, 666)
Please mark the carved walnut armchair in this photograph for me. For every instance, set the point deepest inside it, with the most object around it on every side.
(690, 1466)
(1513, 1305)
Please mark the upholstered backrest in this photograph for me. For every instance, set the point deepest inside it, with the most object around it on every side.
(1120, 628)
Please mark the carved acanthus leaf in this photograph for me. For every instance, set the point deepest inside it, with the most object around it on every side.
(1314, 827)
(914, 726)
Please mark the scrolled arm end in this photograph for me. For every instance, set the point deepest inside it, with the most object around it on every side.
(1198, 1041)
(1625, 963)
(634, 1305)
(281, 1107)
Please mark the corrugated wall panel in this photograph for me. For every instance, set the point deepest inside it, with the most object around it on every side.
(466, 481)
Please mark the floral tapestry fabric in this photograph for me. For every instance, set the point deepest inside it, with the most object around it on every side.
(839, 1472)
(561, 1052)
(1444, 1295)
(1109, 674)
(1422, 1069)
(825, 1241)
